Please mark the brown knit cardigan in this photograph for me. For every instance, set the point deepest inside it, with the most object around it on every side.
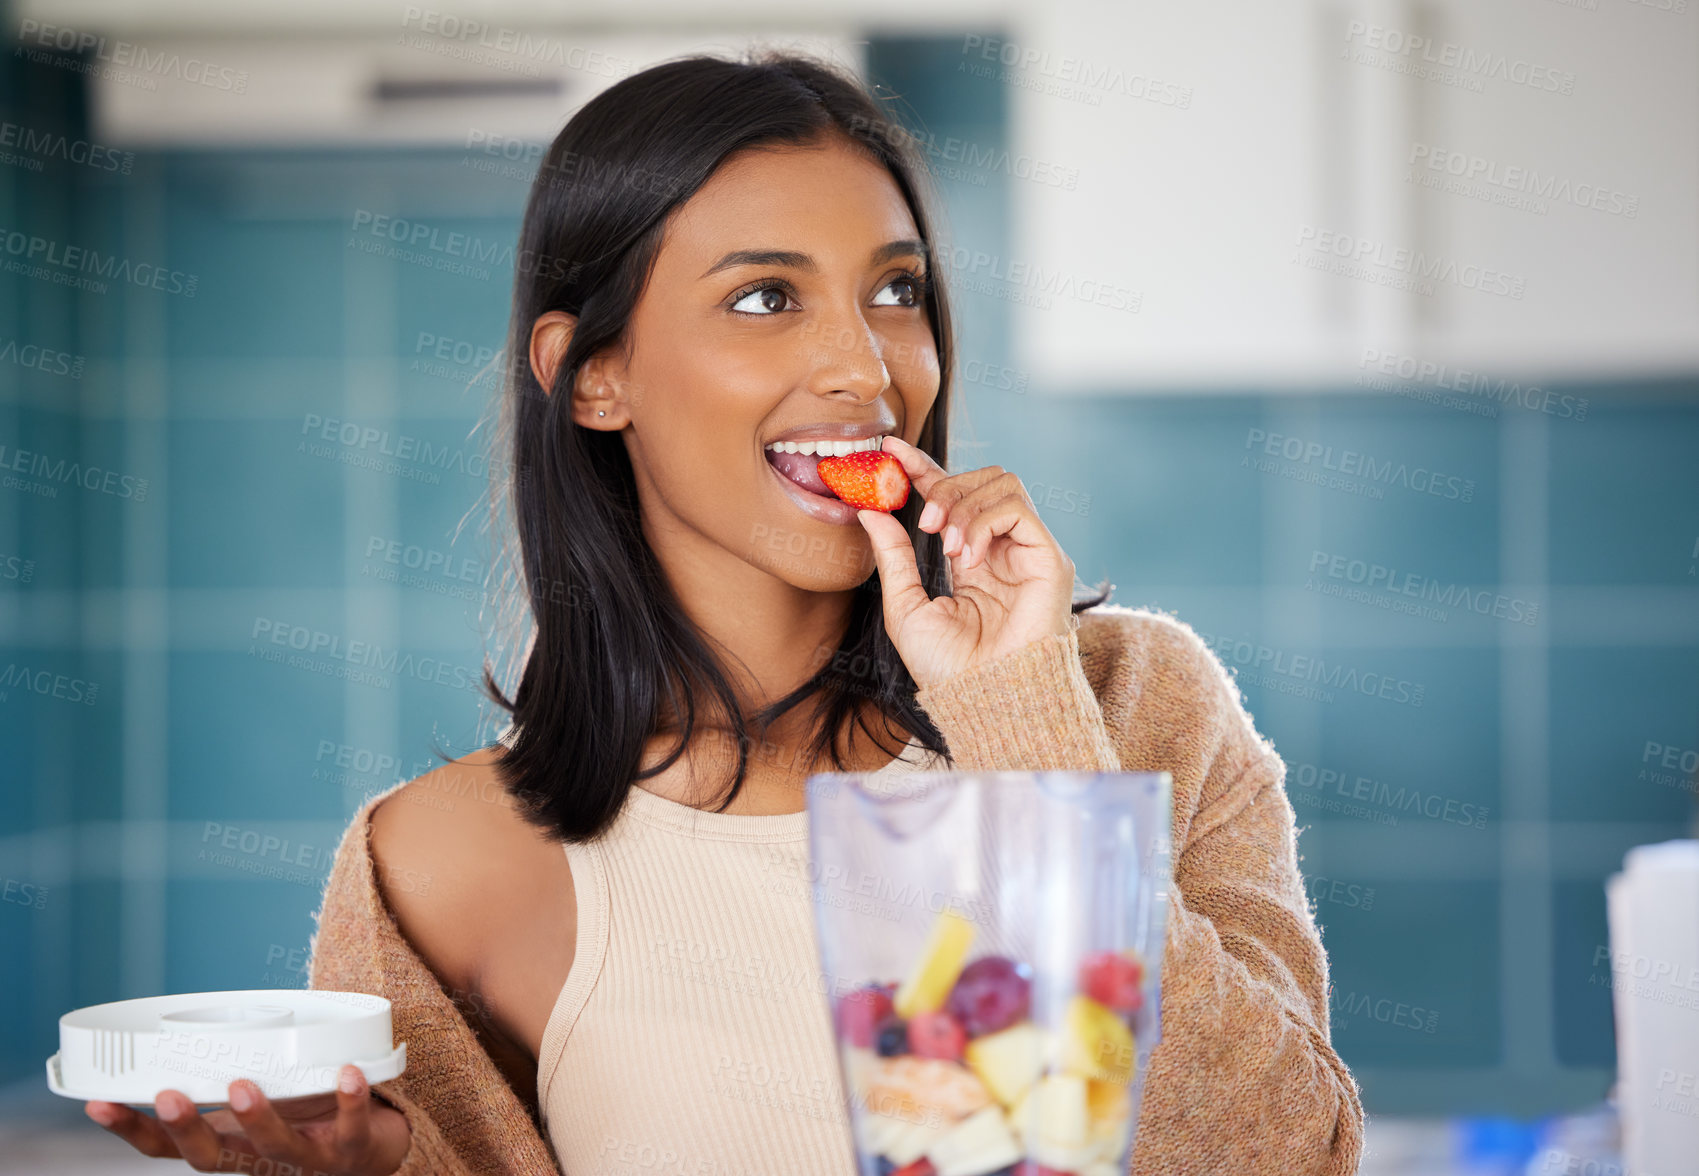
(1245, 1080)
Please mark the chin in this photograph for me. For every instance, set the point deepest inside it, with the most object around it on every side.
(814, 558)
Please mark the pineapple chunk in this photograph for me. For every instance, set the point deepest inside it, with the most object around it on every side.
(980, 1143)
(1008, 1061)
(1105, 1102)
(1060, 1114)
(1111, 1119)
(912, 1142)
(1020, 1115)
(1096, 1043)
(935, 972)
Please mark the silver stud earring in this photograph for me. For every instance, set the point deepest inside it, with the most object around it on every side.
(599, 412)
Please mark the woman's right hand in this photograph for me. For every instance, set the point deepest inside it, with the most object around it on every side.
(349, 1133)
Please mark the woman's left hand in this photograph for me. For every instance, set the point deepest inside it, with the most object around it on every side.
(1012, 583)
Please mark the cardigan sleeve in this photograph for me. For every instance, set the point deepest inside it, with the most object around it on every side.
(1245, 1078)
(1244, 1016)
(463, 1117)
(1031, 710)
(345, 958)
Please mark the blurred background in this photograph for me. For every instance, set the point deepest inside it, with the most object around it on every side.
(1364, 337)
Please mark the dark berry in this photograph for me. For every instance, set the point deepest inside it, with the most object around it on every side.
(886, 1166)
(891, 1038)
(992, 993)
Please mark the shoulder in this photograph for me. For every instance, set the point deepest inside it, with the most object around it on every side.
(1160, 679)
(457, 864)
(1118, 642)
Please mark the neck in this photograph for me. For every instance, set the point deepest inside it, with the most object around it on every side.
(770, 636)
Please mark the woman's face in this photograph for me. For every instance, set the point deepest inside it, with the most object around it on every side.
(784, 307)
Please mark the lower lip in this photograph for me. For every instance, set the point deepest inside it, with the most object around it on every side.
(827, 510)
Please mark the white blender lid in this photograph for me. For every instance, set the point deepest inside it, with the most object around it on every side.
(290, 1042)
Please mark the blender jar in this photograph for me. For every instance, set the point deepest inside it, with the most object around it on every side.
(992, 943)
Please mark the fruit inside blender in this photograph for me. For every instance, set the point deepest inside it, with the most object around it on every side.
(951, 1076)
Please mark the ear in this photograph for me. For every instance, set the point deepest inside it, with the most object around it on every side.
(595, 401)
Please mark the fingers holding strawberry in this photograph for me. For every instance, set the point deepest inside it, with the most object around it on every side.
(1011, 582)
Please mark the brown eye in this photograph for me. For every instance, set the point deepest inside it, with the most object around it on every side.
(913, 286)
(768, 299)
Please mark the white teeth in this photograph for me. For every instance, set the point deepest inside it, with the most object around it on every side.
(829, 448)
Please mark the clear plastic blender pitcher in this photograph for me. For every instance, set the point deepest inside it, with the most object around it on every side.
(993, 946)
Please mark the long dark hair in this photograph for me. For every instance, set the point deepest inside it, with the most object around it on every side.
(612, 654)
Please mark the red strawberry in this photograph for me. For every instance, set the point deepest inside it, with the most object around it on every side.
(860, 1012)
(920, 1167)
(869, 479)
(937, 1035)
(1113, 978)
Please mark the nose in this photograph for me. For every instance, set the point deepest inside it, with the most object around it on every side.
(847, 360)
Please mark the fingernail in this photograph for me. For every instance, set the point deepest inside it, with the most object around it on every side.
(929, 516)
(952, 536)
(350, 1083)
(240, 1099)
(101, 1113)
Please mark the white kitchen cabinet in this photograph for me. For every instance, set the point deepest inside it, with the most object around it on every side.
(1481, 188)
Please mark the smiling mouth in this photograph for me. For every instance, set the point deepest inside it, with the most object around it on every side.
(799, 461)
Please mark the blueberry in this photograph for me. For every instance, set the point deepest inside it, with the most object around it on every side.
(892, 1038)
(886, 1166)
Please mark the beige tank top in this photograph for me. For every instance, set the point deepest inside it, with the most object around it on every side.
(693, 1034)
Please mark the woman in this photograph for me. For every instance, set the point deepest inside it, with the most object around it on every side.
(722, 262)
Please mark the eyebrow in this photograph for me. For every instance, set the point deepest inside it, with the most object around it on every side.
(792, 259)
